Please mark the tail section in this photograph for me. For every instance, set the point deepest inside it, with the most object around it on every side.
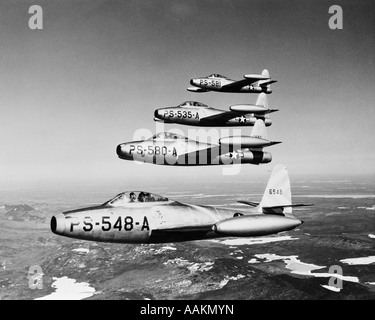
(259, 130)
(265, 73)
(277, 198)
(266, 84)
(262, 100)
(255, 142)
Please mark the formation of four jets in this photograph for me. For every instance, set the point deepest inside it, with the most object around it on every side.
(144, 217)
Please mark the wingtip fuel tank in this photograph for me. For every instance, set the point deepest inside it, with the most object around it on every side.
(250, 226)
(247, 142)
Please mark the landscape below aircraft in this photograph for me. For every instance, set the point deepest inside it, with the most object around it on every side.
(142, 217)
(168, 148)
(217, 82)
(195, 113)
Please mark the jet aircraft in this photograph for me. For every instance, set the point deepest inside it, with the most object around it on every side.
(168, 148)
(142, 217)
(217, 82)
(195, 113)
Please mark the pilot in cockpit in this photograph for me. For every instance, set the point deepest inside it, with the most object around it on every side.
(150, 198)
(133, 197)
(141, 197)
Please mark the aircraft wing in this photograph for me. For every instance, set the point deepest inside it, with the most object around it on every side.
(197, 155)
(222, 117)
(249, 79)
(180, 233)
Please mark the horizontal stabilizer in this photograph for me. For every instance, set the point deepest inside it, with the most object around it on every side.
(272, 110)
(290, 206)
(266, 83)
(271, 143)
(249, 203)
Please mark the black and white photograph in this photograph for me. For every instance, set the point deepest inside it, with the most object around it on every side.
(206, 152)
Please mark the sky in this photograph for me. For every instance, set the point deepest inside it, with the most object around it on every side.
(93, 76)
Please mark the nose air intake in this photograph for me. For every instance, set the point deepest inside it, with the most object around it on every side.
(118, 150)
(53, 224)
(58, 224)
(123, 151)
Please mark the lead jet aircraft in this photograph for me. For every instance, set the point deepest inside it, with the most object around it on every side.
(195, 113)
(142, 217)
(168, 148)
(217, 82)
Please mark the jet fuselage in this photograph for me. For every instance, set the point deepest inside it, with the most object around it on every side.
(166, 221)
(200, 116)
(185, 152)
(219, 85)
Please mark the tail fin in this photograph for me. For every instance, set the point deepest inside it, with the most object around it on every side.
(266, 84)
(262, 100)
(263, 82)
(259, 130)
(277, 198)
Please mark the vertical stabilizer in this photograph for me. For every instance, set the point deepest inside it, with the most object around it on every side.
(259, 130)
(262, 100)
(264, 82)
(277, 193)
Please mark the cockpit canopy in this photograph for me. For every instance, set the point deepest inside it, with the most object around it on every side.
(216, 75)
(125, 198)
(168, 136)
(193, 104)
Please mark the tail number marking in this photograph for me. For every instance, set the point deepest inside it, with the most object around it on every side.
(275, 191)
